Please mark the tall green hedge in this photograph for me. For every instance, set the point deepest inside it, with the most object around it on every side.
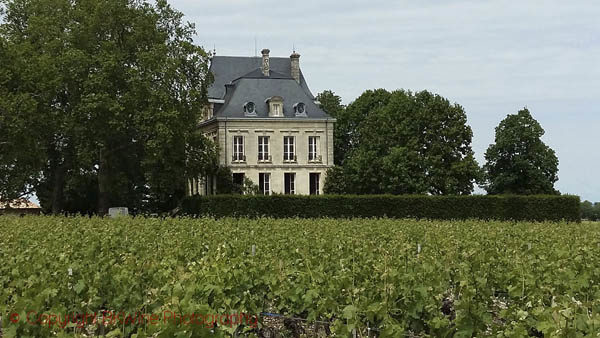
(507, 207)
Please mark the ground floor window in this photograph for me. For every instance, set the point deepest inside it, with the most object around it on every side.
(314, 183)
(264, 183)
(289, 183)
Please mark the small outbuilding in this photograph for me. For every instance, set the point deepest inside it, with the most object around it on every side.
(19, 207)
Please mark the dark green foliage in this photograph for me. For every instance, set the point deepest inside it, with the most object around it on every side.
(519, 162)
(249, 187)
(80, 195)
(335, 182)
(226, 185)
(104, 92)
(18, 169)
(590, 211)
(402, 143)
(505, 207)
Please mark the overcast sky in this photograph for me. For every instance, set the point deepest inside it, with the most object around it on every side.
(491, 57)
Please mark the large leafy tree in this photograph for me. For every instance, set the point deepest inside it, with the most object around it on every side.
(117, 87)
(407, 143)
(349, 118)
(519, 162)
(20, 152)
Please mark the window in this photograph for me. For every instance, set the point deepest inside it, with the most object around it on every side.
(275, 106)
(289, 153)
(250, 108)
(289, 182)
(300, 109)
(314, 183)
(264, 183)
(313, 148)
(263, 148)
(238, 149)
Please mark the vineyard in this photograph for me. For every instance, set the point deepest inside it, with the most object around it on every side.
(292, 277)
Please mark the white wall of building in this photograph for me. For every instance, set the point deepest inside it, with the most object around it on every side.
(224, 132)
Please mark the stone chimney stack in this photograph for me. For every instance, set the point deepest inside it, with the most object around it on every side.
(265, 62)
(295, 61)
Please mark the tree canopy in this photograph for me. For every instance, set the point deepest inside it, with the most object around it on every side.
(104, 94)
(590, 211)
(404, 143)
(519, 162)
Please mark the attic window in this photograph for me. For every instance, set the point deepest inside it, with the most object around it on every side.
(275, 106)
(300, 109)
(249, 108)
(276, 109)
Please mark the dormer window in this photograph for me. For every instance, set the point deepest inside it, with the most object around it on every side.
(276, 109)
(249, 108)
(275, 106)
(300, 109)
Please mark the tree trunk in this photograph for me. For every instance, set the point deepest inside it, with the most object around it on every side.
(103, 182)
(58, 198)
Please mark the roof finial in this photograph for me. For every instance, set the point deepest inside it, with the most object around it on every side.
(294, 47)
(214, 49)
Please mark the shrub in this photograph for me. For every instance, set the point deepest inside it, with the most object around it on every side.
(497, 207)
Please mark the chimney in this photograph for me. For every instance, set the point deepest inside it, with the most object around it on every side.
(265, 62)
(295, 62)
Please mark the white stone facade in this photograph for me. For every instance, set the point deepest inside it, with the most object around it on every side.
(224, 131)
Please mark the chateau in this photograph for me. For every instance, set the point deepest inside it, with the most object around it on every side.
(267, 125)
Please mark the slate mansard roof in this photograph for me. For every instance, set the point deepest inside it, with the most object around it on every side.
(238, 80)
